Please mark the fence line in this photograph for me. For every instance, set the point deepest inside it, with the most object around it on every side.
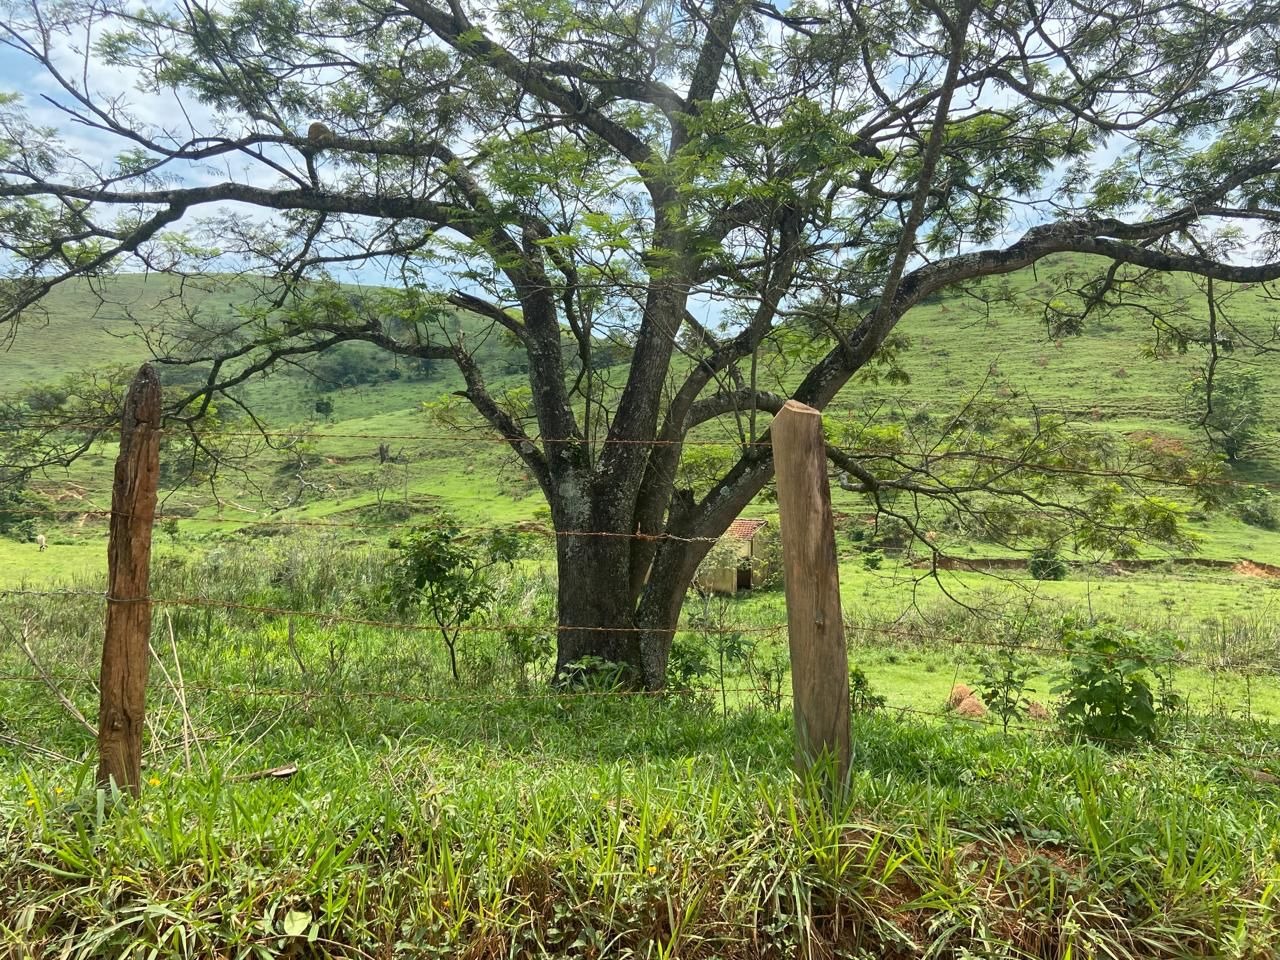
(249, 690)
(912, 637)
(1043, 729)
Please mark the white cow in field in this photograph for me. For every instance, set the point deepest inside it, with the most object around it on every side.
(41, 542)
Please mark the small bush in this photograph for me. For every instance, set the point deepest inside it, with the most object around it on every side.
(1107, 688)
(1045, 564)
(1006, 680)
(862, 696)
(1258, 510)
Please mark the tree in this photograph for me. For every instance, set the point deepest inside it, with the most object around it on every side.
(699, 181)
(1227, 406)
(439, 570)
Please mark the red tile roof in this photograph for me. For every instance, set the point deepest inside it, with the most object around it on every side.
(745, 529)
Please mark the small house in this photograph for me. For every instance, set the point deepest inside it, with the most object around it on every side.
(748, 542)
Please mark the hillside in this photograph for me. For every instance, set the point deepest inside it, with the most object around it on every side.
(991, 342)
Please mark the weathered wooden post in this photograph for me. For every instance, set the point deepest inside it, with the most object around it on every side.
(125, 658)
(819, 659)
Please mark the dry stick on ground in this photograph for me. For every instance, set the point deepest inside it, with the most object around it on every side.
(275, 773)
(23, 642)
(35, 748)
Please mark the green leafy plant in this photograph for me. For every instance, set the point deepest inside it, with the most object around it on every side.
(1107, 687)
(1045, 564)
(1258, 509)
(1005, 680)
(592, 674)
(713, 636)
(447, 575)
(862, 696)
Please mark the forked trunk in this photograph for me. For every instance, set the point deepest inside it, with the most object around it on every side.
(606, 624)
(596, 609)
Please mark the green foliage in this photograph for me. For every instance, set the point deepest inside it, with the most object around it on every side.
(1046, 564)
(1107, 687)
(1005, 679)
(21, 510)
(446, 574)
(713, 645)
(862, 695)
(1003, 471)
(1257, 507)
(1228, 408)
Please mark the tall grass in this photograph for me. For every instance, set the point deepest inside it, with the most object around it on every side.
(558, 827)
(495, 818)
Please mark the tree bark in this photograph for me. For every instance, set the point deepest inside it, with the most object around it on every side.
(125, 661)
(596, 608)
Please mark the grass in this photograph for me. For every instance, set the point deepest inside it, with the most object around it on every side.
(561, 826)
(494, 818)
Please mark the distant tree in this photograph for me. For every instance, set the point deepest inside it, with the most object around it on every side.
(702, 182)
(1227, 407)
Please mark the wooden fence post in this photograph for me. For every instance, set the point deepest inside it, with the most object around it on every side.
(819, 659)
(125, 651)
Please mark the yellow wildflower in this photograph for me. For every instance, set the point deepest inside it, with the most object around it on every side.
(58, 791)
(154, 781)
(652, 870)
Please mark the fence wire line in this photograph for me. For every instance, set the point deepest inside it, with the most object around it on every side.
(252, 690)
(540, 530)
(910, 636)
(783, 695)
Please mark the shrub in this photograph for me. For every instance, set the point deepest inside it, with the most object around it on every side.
(1005, 681)
(1258, 509)
(862, 696)
(439, 571)
(1107, 688)
(1045, 564)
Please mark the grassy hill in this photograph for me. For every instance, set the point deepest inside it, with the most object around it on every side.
(990, 342)
(317, 783)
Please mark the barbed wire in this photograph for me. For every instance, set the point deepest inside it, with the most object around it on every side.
(777, 696)
(308, 693)
(893, 629)
(530, 527)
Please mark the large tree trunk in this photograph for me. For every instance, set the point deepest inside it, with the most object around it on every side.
(595, 606)
(616, 603)
(619, 598)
